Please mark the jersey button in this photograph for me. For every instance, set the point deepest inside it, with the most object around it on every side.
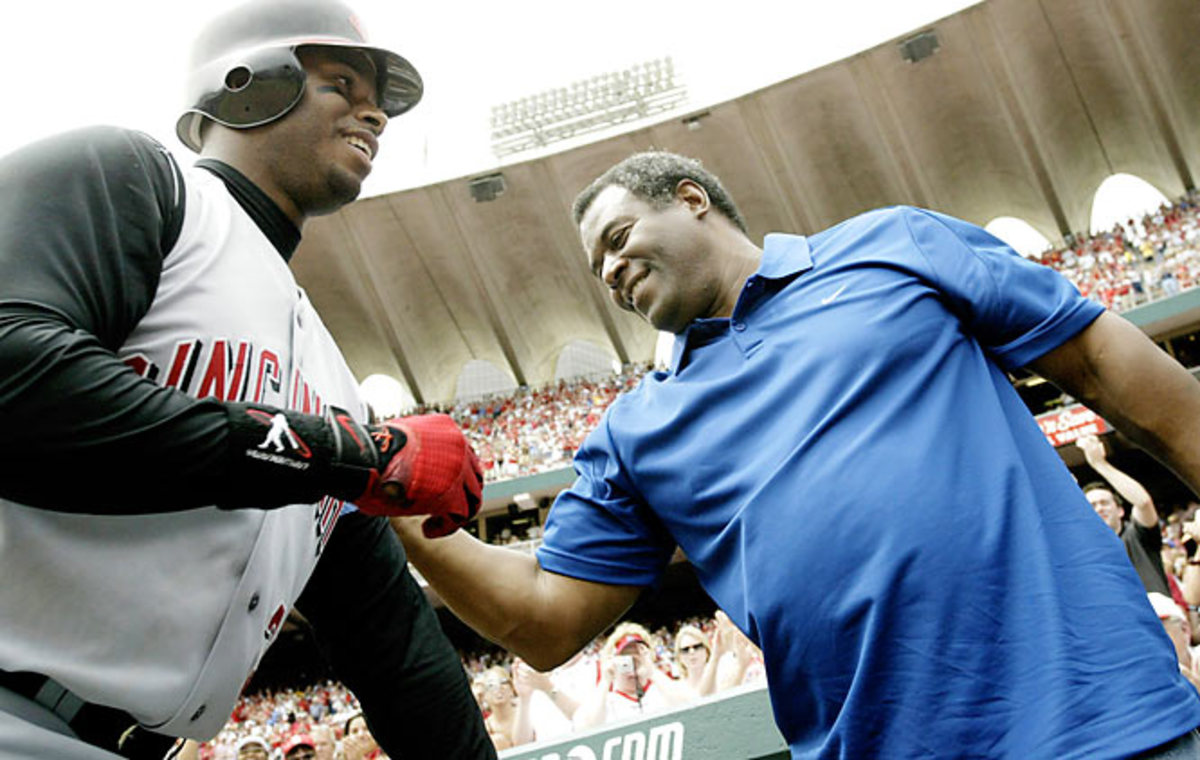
(253, 603)
(739, 326)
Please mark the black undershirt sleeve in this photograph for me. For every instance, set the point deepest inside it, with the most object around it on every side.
(383, 639)
(86, 219)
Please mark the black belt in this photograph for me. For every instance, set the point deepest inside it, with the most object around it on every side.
(105, 727)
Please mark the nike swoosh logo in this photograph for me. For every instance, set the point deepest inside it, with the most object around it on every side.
(833, 296)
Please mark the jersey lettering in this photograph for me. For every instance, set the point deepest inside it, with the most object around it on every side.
(141, 364)
(304, 398)
(183, 364)
(225, 377)
(327, 511)
(268, 373)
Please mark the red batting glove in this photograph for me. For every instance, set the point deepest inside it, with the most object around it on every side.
(433, 472)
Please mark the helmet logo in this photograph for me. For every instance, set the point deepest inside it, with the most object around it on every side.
(238, 78)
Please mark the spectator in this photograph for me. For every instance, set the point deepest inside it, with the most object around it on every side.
(253, 748)
(695, 661)
(299, 746)
(357, 742)
(543, 710)
(324, 741)
(1140, 533)
(631, 682)
(1179, 630)
(738, 660)
(501, 699)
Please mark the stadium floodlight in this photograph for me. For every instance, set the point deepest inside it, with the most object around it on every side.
(585, 106)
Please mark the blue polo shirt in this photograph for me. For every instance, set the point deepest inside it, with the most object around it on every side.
(859, 487)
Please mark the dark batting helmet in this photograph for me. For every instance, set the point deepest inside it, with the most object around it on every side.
(245, 73)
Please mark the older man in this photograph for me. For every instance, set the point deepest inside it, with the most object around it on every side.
(839, 453)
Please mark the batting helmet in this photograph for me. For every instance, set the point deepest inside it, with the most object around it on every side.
(245, 73)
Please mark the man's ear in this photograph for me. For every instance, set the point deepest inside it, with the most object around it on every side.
(692, 196)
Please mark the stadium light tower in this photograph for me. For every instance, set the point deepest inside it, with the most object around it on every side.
(585, 106)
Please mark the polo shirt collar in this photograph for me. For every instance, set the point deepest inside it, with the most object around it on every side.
(783, 256)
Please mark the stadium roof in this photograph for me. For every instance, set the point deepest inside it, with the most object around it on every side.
(1010, 108)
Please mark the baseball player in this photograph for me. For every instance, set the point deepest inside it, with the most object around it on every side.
(183, 439)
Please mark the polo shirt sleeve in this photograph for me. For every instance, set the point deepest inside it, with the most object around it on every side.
(599, 530)
(1017, 309)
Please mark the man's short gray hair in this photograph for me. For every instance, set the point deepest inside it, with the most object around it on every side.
(653, 177)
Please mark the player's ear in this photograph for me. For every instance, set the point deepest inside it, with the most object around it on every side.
(693, 196)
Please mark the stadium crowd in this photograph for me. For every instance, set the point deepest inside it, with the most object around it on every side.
(534, 430)
(1144, 259)
(630, 671)
(634, 670)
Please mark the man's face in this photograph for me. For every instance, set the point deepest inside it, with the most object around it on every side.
(1180, 633)
(252, 752)
(1106, 506)
(637, 673)
(302, 752)
(655, 262)
(325, 745)
(498, 689)
(693, 653)
(320, 152)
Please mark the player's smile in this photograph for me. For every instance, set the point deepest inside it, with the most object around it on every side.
(363, 141)
(364, 146)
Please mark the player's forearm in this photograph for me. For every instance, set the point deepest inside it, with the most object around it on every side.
(71, 406)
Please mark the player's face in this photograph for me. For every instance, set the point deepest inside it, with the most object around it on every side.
(657, 263)
(1106, 506)
(319, 153)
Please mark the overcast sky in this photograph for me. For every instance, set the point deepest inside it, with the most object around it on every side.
(78, 62)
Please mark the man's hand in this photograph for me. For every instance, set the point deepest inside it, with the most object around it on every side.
(526, 680)
(426, 466)
(1092, 448)
(358, 746)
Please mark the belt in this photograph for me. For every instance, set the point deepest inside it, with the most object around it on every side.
(105, 727)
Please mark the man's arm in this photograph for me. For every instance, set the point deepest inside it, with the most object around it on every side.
(506, 596)
(1141, 503)
(1116, 370)
(87, 220)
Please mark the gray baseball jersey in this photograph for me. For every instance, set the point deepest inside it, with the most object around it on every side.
(138, 304)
